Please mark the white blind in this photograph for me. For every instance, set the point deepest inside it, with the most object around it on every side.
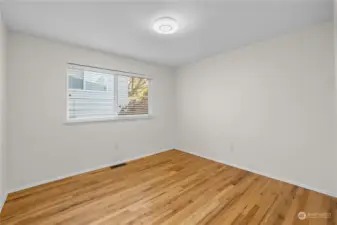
(95, 94)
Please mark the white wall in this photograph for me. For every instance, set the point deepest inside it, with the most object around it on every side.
(41, 146)
(3, 184)
(335, 100)
(267, 107)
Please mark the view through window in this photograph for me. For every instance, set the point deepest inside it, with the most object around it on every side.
(99, 94)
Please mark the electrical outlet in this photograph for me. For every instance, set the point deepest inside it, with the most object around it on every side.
(116, 146)
(231, 147)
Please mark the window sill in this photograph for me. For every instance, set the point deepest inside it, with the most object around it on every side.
(106, 119)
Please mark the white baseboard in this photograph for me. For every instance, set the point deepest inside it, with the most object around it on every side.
(265, 174)
(83, 171)
(2, 201)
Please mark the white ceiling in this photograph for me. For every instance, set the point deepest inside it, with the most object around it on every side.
(207, 27)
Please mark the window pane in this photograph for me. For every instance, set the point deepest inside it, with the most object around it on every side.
(94, 99)
(97, 81)
(133, 95)
(75, 79)
(97, 94)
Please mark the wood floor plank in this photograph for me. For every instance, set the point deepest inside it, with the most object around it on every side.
(168, 188)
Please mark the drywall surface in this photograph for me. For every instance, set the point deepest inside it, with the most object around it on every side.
(42, 147)
(3, 181)
(267, 107)
(335, 99)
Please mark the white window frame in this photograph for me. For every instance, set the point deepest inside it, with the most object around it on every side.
(115, 73)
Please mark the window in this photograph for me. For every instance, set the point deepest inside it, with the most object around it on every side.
(99, 94)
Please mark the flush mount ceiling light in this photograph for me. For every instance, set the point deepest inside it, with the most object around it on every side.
(165, 25)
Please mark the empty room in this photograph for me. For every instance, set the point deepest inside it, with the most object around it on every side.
(217, 112)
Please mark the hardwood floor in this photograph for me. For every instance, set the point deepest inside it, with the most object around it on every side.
(168, 188)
